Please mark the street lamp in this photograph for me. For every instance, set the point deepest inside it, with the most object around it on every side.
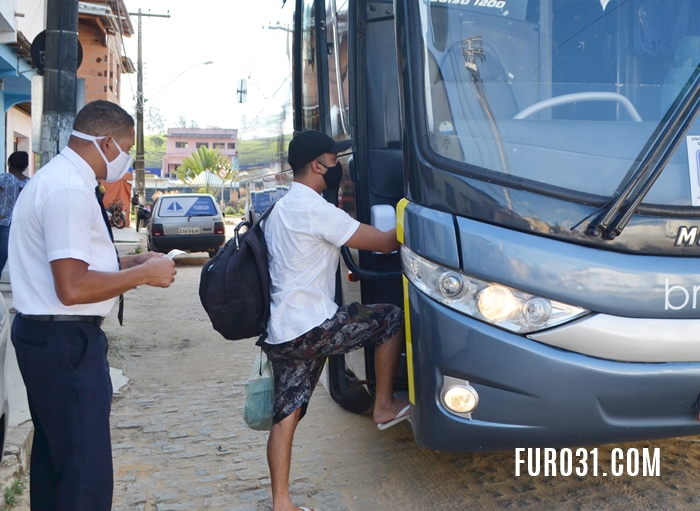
(139, 170)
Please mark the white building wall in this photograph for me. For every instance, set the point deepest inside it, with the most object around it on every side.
(8, 24)
(33, 20)
(19, 131)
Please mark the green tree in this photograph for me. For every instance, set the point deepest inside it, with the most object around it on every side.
(216, 168)
(155, 122)
(153, 151)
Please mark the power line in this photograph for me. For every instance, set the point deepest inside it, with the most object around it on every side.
(121, 36)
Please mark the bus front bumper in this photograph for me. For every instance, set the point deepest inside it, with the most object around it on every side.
(534, 395)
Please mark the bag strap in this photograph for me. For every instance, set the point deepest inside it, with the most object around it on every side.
(261, 339)
(249, 225)
(265, 214)
(263, 336)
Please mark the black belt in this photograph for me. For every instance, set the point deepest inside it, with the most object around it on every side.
(95, 320)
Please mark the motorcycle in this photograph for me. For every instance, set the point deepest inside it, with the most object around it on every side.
(115, 212)
(143, 215)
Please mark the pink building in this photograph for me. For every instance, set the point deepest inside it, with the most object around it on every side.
(182, 142)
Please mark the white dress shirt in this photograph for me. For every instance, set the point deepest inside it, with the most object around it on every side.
(57, 217)
(304, 234)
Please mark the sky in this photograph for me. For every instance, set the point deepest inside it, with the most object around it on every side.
(233, 34)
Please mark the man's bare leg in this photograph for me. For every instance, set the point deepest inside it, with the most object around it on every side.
(386, 361)
(279, 458)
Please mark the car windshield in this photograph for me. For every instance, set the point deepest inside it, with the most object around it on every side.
(564, 92)
(187, 206)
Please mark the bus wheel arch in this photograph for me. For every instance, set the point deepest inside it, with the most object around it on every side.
(346, 389)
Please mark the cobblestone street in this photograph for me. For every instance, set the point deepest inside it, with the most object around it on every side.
(179, 442)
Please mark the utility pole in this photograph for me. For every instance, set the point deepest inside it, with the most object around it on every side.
(60, 76)
(139, 167)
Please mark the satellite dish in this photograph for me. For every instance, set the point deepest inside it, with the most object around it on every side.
(242, 90)
(38, 51)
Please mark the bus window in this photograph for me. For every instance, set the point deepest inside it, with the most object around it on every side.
(564, 93)
(309, 69)
(337, 33)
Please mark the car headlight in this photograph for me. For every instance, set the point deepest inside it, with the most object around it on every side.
(496, 304)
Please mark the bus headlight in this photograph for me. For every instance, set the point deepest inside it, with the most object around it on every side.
(458, 396)
(496, 303)
(453, 285)
(493, 303)
(460, 399)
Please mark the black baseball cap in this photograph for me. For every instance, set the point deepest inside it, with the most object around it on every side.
(310, 144)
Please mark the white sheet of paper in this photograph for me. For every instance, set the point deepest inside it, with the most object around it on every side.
(175, 252)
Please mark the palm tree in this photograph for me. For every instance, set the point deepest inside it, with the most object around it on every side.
(206, 170)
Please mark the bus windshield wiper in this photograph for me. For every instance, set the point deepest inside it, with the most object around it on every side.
(651, 161)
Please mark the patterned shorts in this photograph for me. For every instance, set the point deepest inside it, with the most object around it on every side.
(297, 364)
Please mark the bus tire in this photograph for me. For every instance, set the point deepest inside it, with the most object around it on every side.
(345, 389)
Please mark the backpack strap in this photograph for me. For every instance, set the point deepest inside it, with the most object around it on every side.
(261, 340)
(265, 214)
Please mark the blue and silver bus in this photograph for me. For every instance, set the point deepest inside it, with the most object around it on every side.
(542, 160)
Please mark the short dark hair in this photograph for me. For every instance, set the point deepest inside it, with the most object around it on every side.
(301, 171)
(103, 118)
(18, 160)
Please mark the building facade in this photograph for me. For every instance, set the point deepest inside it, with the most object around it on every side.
(16, 70)
(182, 142)
(101, 26)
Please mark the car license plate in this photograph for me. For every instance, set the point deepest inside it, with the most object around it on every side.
(188, 230)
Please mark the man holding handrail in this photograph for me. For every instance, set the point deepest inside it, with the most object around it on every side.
(304, 234)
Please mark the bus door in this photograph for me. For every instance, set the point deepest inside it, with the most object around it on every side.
(346, 84)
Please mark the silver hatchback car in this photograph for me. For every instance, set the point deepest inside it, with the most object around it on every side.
(186, 221)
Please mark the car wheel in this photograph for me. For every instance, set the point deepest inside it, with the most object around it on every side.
(212, 253)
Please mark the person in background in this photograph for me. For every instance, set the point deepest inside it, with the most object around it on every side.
(11, 183)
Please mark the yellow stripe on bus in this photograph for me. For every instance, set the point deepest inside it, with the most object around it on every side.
(400, 207)
(409, 345)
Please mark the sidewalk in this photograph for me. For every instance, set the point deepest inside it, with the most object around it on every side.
(129, 235)
(20, 431)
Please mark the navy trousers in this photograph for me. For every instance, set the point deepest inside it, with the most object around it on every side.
(64, 366)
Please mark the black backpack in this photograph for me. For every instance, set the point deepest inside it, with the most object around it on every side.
(235, 285)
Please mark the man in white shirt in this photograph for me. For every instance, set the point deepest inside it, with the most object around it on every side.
(304, 234)
(66, 276)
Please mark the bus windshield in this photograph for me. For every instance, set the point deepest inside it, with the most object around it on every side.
(564, 93)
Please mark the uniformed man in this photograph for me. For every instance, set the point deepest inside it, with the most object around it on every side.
(66, 276)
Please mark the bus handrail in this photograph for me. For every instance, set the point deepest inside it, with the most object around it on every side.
(366, 274)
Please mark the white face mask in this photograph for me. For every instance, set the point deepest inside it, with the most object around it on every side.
(115, 168)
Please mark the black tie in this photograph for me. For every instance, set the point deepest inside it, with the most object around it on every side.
(98, 194)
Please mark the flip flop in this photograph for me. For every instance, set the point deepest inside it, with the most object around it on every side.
(400, 417)
(306, 508)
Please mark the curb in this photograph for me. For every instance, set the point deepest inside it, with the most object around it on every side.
(18, 449)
